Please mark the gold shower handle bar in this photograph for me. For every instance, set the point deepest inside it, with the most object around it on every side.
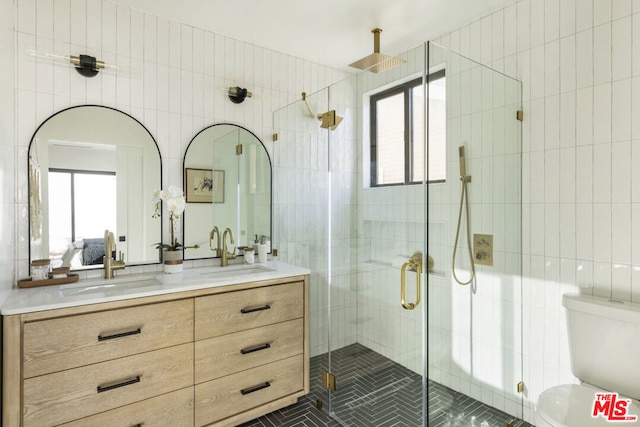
(403, 285)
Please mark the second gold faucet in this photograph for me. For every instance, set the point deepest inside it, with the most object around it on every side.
(226, 255)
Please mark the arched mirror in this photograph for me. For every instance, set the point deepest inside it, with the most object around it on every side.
(93, 168)
(227, 185)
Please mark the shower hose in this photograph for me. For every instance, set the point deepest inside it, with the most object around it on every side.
(464, 201)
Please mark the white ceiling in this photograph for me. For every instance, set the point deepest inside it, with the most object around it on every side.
(330, 32)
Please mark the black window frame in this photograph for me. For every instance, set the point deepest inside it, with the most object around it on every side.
(405, 88)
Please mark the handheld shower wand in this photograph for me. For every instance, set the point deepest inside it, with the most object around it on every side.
(463, 168)
(464, 201)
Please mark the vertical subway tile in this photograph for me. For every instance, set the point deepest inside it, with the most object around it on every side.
(536, 11)
(621, 233)
(162, 42)
(584, 59)
(584, 231)
(601, 12)
(602, 226)
(621, 110)
(109, 28)
(136, 31)
(602, 113)
(584, 174)
(186, 48)
(510, 31)
(567, 233)
(621, 47)
(552, 122)
(551, 20)
(123, 28)
(91, 32)
(150, 38)
(552, 68)
(584, 116)
(635, 44)
(602, 173)
(584, 15)
(568, 119)
(621, 172)
(568, 16)
(61, 20)
(44, 19)
(567, 64)
(602, 54)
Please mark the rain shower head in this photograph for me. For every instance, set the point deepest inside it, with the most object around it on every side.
(329, 120)
(377, 61)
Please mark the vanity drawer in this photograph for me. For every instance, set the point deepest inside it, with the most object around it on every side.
(221, 314)
(230, 395)
(77, 393)
(228, 354)
(58, 344)
(172, 409)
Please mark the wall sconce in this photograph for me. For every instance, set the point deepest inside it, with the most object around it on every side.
(85, 65)
(237, 94)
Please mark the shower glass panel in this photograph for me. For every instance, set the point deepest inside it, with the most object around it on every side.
(475, 331)
(301, 214)
(454, 357)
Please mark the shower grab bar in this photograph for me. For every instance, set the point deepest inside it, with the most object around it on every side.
(415, 262)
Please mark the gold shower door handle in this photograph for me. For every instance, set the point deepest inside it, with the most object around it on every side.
(403, 285)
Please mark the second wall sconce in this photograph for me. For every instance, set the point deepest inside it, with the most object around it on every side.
(237, 94)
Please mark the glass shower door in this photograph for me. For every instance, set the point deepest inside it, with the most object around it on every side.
(377, 297)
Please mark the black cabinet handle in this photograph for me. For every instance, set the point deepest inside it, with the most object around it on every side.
(255, 348)
(251, 310)
(255, 388)
(122, 384)
(120, 335)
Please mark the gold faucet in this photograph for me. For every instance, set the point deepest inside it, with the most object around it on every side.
(226, 256)
(215, 231)
(111, 264)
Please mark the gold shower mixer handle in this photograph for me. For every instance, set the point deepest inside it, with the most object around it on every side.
(415, 262)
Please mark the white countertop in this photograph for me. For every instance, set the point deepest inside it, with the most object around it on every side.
(95, 291)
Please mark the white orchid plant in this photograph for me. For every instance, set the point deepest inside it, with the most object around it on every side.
(174, 198)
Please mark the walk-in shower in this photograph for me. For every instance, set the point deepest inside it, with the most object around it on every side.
(456, 357)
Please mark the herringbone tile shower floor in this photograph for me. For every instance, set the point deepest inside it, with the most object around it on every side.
(374, 391)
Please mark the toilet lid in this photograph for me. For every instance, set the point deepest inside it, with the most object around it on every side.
(571, 405)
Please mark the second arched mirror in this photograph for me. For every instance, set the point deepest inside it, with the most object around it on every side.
(227, 184)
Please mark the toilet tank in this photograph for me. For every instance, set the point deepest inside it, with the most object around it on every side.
(604, 342)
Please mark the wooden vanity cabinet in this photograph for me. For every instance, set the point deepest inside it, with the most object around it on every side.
(216, 356)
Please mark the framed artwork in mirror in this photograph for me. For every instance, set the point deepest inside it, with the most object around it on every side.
(204, 186)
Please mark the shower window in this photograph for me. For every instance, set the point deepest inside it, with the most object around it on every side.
(397, 133)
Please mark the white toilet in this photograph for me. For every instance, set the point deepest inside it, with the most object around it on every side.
(604, 343)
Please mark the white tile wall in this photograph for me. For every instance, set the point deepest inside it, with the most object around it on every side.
(578, 63)
(172, 79)
(7, 152)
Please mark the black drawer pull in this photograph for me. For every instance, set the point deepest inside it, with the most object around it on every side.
(255, 388)
(251, 310)
(122, 384)
(120, 335)
(255, 348)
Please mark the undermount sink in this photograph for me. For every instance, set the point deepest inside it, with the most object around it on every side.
(226, 272)
(108, 286)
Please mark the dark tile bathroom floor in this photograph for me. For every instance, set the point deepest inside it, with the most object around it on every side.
(375, 391)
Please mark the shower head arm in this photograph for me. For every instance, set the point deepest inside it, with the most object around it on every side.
(376, 40)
